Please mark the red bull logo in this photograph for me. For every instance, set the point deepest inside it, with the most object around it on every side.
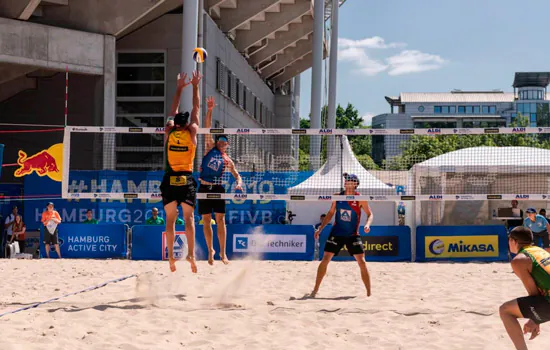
(44, 163)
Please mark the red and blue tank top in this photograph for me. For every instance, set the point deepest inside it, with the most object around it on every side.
(213, 165)
(348, 217)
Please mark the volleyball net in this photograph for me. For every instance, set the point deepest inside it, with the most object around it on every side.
(309, 164)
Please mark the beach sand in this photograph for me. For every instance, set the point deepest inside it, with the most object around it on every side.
(256, 305)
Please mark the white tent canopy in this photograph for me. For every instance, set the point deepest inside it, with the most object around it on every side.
(494, 159)
(328, 179)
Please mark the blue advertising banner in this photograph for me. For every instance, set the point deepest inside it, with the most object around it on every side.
(382, 243)
(462, 243)
(88, 241)
(266, 242)
(136, 211)
(149, 242)
(8, 195)
(271, 242)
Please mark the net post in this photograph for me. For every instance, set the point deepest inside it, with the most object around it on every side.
(66, 162)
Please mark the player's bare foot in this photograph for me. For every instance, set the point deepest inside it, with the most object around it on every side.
(211, 257)
(193, 263)
(172, 262)
(224, 259)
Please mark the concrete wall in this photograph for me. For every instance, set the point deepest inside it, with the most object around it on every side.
(165, 34)
(49, 47)
(46, 105)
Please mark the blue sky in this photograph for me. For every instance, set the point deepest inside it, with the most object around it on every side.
(392, 46)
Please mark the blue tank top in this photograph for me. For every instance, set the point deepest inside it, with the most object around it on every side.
(348, 217)
(213, 165)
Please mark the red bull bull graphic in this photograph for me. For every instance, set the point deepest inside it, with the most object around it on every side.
(44, 163)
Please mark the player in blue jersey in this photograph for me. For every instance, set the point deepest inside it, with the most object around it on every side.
(345, 232)
(214, 164)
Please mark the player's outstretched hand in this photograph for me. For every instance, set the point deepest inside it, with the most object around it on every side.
(533, 328)
(196, 78)
(210, 102)
(182, 81)
(367, 229)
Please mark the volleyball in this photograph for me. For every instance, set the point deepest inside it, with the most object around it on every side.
(200, 55)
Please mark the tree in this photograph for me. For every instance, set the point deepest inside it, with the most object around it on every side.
(347, 118)
(420, 148)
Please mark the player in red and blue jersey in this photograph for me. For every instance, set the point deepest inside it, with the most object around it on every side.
(214, 164)
(345, 232)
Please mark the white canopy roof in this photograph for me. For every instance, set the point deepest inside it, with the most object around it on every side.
(328, 179)
(494, 159)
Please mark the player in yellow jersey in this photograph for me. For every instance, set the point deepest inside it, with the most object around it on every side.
(532, 266)
(178, 185)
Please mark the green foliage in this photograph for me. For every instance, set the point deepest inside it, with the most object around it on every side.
(347, 118)
(420, 148)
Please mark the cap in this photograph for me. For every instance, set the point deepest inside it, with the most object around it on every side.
(222, 138)
(531, 211)
(49, 203)
(351, 177)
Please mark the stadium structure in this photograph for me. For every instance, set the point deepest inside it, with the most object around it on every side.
(123, 57)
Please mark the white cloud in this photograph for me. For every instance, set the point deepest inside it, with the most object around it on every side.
(365, 64)
(375, 42)
(413, 61)
(367, 119)
(406, 62)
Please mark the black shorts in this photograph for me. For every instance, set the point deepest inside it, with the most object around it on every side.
(50, 238)
(353, 244)
(179, 187)
(207, 206)
(545, 240)
(535, 308)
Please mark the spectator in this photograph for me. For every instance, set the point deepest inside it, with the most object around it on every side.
(89, 218)
(540, 228)
(515, 222)
(322, 218)
(18, 235)
(155, 219)
(50, 219)
(179, 221)
(542, 212)
(8, 225)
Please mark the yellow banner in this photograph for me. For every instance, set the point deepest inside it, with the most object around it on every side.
(48, 162)
(461, 246)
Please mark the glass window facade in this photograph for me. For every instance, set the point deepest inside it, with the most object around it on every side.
(531, 95)
(140, 102)
(537, 113)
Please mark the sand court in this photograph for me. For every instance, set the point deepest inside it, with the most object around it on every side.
(258, 304)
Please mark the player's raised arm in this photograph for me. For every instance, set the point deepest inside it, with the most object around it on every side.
(181, 82)
(209, 140)
(195, 112)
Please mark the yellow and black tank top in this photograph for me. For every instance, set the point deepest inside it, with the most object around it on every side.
(180, 151)
(541, 268)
